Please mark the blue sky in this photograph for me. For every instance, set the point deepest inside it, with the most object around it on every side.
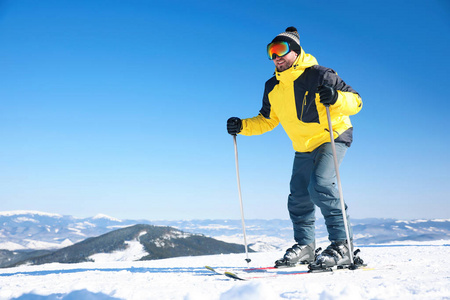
(119, 107)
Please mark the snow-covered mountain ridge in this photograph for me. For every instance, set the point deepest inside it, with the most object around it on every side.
(22, 230)
(133, 243)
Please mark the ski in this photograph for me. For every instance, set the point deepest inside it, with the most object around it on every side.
(213, 270)
(247, 270)
(246, 276)
(232, 273)
(233, 276)
(259, 269)
(266, 271)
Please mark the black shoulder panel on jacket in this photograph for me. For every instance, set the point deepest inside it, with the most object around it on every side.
(330, 77)
(270, 84)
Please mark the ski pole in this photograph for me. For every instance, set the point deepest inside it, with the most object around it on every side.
(338, 178)
(240, 199)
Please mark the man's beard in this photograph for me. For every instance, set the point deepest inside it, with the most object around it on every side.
(284, 68)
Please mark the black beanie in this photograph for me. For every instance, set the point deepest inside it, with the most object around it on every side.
(291, 37)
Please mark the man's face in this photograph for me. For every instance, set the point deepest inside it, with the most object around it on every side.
(285, 62)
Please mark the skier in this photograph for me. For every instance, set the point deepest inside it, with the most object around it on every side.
(296, 97)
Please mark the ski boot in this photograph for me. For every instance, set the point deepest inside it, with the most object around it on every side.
(337, 254)
(297, 254)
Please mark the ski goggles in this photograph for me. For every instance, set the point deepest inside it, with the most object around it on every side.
(277, 49)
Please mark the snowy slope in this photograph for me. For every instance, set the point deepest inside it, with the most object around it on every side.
(401, 272)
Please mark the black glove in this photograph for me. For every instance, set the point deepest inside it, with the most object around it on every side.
(234, 125)
(328, 95)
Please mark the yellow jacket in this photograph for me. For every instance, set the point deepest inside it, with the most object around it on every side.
(291, 98)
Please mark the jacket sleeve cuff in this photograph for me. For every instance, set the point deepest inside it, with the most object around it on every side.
(348, 103)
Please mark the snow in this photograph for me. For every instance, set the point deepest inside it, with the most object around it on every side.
(421, 221)
(35, 245)
(135, 251)
(76, 231)
(40, 245)
(103, 216)
(216, 227)
(25, 219)
(400, 272)
(11, 246)
(28, 212)
(259, 243)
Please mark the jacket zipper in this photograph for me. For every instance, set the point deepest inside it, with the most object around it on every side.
(303, 106)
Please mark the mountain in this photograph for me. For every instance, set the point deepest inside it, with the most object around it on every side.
(22, 230)
(382, 231)
(25, 231)
(37, 238)
(153, 242)
(11, 258)
(366, 231)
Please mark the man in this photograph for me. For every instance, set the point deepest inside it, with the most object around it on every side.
(295, 97)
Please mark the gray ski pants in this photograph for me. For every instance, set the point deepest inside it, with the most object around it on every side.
(313, 182)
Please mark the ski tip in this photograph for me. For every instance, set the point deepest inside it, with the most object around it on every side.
(233, 276)
(212, 269)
